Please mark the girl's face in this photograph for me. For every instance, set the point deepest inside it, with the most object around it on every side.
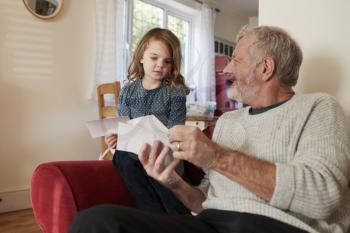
(157, 62)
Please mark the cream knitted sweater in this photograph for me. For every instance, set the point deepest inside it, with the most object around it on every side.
(308, 141)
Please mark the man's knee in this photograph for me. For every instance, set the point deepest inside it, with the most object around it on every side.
(101, 218)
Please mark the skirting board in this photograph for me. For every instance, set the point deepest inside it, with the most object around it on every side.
(15, 200)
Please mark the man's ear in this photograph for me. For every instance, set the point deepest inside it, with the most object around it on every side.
(268, 68)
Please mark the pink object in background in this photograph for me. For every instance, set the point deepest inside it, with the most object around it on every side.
(220, 62)
(223, 103)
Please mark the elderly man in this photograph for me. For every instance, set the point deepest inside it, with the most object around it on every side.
(279, 165)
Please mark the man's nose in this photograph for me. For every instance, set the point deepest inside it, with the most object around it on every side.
(228, 68)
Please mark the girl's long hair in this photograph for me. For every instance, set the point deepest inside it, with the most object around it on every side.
(174, 78)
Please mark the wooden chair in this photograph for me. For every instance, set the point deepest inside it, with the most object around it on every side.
(109, 110)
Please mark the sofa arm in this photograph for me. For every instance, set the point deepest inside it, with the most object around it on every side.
(60, 189)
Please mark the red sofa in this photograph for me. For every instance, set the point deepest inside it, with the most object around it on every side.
(60, 189)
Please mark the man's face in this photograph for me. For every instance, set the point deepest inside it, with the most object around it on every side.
(242, 72)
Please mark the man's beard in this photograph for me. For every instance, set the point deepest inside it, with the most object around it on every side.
(233, 93)
(245, 93)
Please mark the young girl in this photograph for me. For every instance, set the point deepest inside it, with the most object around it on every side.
(155, 86)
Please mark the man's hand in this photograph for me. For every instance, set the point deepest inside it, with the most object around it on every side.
(189, 143)
(153, 160)
(192, 145)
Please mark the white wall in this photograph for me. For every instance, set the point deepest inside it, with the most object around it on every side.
(45, 77)
(322, 29)
(227, 25)
(253, 21)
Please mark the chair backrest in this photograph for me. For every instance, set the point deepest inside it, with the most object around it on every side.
(107, 110)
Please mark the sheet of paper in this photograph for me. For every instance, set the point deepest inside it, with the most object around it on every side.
(103, 127)
(134, 133)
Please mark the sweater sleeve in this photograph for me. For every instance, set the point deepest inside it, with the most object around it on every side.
(177, 114)
(313, 184)
(204, 185)
(123, 108)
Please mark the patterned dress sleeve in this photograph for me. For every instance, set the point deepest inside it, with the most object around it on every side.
(123, 108)
(177, 115)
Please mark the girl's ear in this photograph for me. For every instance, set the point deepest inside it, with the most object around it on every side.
(141, 61)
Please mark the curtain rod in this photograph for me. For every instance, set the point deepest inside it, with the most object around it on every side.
(200, 2)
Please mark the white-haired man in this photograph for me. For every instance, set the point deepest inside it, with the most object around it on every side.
(279, 165)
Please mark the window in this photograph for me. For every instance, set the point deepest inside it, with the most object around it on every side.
(148, 14)
(145, 17)
(223, 47)
(180, 28)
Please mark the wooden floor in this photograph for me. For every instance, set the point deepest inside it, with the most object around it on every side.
(21, 221)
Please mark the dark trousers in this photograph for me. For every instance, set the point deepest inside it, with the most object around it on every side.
(118, 219)
(146, 192)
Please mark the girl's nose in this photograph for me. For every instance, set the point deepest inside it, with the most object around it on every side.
(160, 64)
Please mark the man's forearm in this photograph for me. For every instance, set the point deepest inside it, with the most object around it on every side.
(256, 175)
(190, 196)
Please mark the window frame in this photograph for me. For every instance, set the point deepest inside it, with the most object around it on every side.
(167, 10)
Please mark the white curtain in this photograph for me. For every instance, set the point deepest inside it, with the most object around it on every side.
(111, 42)
(203, 55)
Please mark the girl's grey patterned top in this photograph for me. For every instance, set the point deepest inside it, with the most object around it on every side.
(166, 103)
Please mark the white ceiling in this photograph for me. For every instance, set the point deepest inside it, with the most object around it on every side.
(245, 8)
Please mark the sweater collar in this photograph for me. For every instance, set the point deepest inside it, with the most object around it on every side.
(256, 111)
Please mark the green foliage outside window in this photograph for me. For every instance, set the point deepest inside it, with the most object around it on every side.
(147, 16)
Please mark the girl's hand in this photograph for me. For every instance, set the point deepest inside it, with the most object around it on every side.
(111, 140)
(153, 160)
